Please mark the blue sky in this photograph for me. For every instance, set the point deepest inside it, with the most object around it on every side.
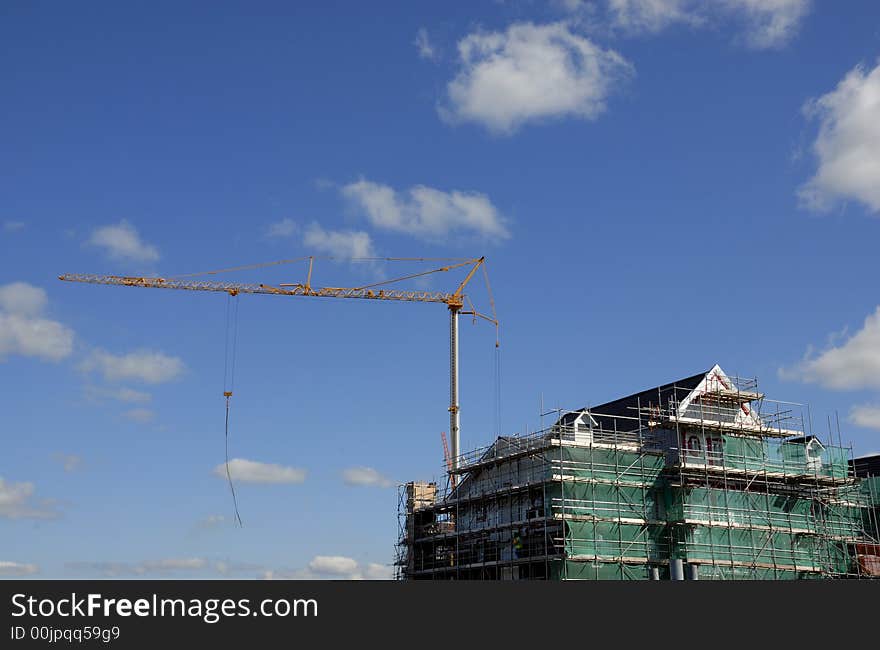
(658, 186)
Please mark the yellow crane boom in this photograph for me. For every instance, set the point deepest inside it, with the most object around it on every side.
(455, 301)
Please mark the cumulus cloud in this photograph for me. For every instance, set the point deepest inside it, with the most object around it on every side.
(251, 471)
(17, 502)
(144, 365)
(865, 415)
(426, 212)
(336, 565)
(531, 73)
(852, 365)
(122, 241)
(333, 567)
(847, 147)
(284, 228)
(424, 46)
(343, 244)
(17, 569)
(23, 328)
(22, 298)
(365, 477)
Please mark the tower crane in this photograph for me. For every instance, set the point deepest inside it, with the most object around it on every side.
(455, 301)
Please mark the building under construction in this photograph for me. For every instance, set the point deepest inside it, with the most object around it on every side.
(702, 478)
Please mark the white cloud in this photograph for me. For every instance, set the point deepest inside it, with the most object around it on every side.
(531, 73)
(24, 331)
(652, 15)
(250, 471)
(375, 571)
(23, 299)
(17, 502)
(426, 212)
(344, 244)
(425, 47)
(847, 146)
(140, 415)
(122, 394)
(143, 365)
(284, 228)
(122, 241)
(770, 23)
(336, 565)
(212, 521)
(767, 23)
(852, 365)
(13, 226)
(34, 337)
(70, 462)
(365, 477)
(228, 568)
(16, 569)
(161, 567)
(172, 564)
(865, 415)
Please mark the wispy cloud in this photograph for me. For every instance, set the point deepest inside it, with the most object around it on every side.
(70, 462)
(425, 212)
(13, 226)
(212, 521)
(423, 44)
(161, 567)
(17, 569)
(140, 415)
(148, 366)
(25, 331)
(121, 394)
(531, 73)
(251, 471)
(763, 24)
(284, 228)
(365, 477)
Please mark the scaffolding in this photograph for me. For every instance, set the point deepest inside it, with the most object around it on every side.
(704, 480)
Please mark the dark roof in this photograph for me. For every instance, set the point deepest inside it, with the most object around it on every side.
(866, 465)
(628, 406)
(805, 440)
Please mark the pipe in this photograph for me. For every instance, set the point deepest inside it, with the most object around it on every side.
(454, 415)
(676, 569)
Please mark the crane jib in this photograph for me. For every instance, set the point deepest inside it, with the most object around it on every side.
(235, 288)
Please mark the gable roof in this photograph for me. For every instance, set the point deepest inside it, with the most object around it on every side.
(622, 414)
(627, 407)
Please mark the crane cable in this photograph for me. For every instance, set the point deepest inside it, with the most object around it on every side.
(229, 384)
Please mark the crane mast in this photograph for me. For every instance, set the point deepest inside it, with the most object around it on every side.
(455, 302)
